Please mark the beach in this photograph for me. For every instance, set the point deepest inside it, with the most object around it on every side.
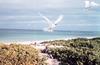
(41, 44)
(40, 41)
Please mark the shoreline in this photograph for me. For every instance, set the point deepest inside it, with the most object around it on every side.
(40, 41)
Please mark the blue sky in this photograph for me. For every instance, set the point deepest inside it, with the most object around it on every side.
(23, 14)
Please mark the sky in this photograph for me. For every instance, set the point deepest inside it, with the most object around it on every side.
(23, 14)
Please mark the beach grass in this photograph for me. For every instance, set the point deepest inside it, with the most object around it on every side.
(18, 54)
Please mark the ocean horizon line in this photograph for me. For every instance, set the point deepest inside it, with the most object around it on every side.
(45, 31)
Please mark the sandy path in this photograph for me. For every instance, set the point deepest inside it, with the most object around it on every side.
(49, 60)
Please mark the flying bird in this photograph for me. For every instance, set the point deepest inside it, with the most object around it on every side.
(89, 4)
(51, 25)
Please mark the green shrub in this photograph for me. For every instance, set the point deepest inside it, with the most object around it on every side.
(80, 51)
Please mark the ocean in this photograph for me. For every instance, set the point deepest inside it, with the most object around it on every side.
(31, 35)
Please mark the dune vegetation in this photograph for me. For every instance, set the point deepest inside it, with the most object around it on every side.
(80, 51)
(16, 54)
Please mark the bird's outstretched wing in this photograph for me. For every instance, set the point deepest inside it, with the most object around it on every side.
(46, 19)
(87, 4)
(59, 19)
